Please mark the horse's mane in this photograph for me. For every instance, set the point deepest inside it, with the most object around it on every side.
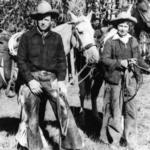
(65, 30)
(62, 28)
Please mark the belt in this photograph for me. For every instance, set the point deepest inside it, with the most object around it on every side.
(44, 75)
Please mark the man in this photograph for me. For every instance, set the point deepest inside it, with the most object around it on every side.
(120, 58)
(41, 61)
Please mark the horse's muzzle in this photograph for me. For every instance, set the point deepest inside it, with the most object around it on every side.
(92, 60)
(92, 54)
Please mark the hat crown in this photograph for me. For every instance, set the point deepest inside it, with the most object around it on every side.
(44, 7)
(124, 16)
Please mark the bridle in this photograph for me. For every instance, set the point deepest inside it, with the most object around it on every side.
(76, 34)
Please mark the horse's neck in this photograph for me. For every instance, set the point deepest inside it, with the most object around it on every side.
(65, 30)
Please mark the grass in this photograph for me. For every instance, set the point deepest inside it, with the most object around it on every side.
(9, 119)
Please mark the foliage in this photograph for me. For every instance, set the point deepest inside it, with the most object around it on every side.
(14, 14)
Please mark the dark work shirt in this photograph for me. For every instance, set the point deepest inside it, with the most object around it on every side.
(38, 53)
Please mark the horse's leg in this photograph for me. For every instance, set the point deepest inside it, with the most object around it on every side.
(94, 94)
(82, 111)
(82, 93)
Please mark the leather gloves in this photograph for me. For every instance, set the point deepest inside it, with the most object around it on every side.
(35, 86)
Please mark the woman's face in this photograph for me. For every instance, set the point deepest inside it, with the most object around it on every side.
(123, 28)
(44, 23)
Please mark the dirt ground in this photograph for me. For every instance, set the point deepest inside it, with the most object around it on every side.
(10, 113)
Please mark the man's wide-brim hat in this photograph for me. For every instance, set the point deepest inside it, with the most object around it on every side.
(44, 9)
(123, 16)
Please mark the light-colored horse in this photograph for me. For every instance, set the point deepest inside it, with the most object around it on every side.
(79, 34)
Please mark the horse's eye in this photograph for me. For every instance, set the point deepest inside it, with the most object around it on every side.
(80, 32)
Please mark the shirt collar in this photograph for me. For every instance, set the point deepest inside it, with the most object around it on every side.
(36, 31)
(124, 39)
(42, 33)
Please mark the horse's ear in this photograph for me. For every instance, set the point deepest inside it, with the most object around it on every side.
(89, 16)
(73, 17)
(129, 9)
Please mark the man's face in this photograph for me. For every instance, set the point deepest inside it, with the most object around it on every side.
(123, 29)
(44, 23)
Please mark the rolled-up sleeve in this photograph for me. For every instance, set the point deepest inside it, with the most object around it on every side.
(61, 60)
(22, 60)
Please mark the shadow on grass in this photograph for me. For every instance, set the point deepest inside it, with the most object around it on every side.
(86, 121)
(46, 132)
(90, 124)
(10, 125)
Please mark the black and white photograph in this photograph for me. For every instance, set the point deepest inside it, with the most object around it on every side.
(74, 74)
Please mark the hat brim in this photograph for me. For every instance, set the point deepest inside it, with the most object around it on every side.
(117, 21)
(38, 16)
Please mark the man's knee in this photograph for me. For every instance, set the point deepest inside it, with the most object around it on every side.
(25, 96)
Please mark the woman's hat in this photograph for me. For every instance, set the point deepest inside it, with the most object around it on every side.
(43, 9)
(123, 16)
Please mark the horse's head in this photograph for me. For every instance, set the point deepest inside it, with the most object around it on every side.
(83, 37)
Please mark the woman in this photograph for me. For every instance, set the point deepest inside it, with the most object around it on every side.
(121, 79)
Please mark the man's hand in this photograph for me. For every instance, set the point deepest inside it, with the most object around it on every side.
(35, 86)
(62, 87)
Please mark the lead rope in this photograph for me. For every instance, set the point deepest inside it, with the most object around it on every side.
(137, 87)
(79, 82)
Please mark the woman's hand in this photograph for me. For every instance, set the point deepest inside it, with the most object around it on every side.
(124, 63)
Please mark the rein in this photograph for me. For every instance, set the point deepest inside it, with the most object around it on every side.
(83, 68)
(143, 69)
(137, 86)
